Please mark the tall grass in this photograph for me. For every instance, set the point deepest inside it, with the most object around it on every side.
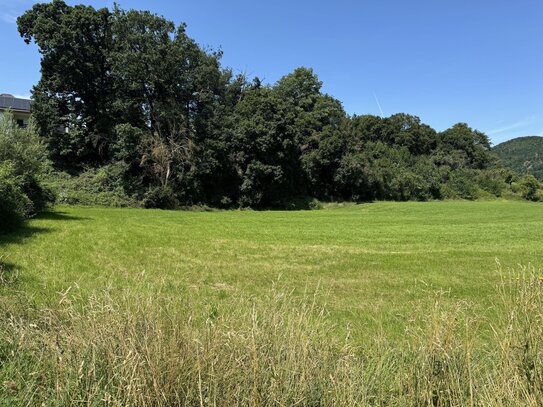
(119, 349)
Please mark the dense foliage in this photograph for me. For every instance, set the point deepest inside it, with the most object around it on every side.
(23, 165)
(128, 95)
(523, 154)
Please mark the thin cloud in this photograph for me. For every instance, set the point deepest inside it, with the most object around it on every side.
(16, 4)
(512, 126)
(8, 18)
(13, 9)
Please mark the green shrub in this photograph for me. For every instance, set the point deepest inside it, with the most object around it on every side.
(94, 187)
(493, 181)
(303, 202)
(23, 168)
(315, 204)
(460, 185)
(160, 197)
(529, 188)
(14, 204)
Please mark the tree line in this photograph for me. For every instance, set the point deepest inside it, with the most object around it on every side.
(129, 106)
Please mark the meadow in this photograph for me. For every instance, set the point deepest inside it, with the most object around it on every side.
(373, 261)
(274, 307)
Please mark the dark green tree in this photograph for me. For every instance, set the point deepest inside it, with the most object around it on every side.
(319, 122)
(472, 147)
(75, 87)
(167, 87)
(264, 151)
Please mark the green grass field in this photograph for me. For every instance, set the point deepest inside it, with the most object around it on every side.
(373, 262)
(336, 307)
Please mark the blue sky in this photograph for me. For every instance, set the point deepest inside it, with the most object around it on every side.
(446, 61)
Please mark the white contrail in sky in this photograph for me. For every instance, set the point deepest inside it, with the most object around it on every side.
(378, 104)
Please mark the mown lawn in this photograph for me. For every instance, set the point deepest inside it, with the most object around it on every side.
(374, 262)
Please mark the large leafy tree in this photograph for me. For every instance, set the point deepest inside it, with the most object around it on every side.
(217, 171)
(472, 147)
(264, 151)
(399, 130)
(287, 141)
(75, 87)
(166, 86)
(125, 86)
(319, 124)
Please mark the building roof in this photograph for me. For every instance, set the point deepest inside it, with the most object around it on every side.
(13, 103)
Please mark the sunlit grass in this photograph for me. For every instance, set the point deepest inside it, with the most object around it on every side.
(373, 261)
(379, 304)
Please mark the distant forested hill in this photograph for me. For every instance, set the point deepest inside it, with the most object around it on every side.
(524, 154)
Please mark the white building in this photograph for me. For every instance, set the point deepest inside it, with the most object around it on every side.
(20, 108)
